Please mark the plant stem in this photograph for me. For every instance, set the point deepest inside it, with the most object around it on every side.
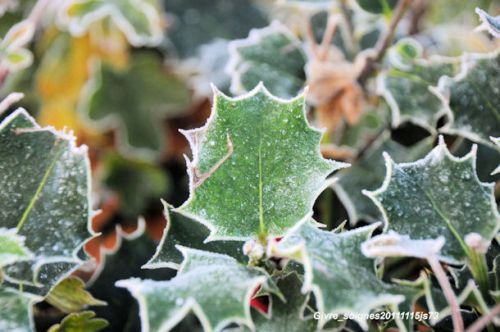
(484, 320)
(384, 42)
(479, 270)
(456, 317)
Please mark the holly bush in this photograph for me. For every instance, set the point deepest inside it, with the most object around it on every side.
(342, 165)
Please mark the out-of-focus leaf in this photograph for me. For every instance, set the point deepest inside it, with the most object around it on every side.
(132, 251)
(13, 52)
(136, 182)
(471, 99)
(80, 322)
(12, 247)
(134, 101)
(194, 23)
(7, 6)
(258, 159)
(439, 195)
(272, 55)
(181, 230)
(15, 311)
(69, 295)
(377, 6)
(490, 23)
(45, 196)
(139, 20)
(369, 171)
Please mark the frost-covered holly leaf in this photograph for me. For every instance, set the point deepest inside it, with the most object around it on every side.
(137, 182)
(13, 52)
(368, 172)
(194, 23)
(15, 311)
(256, 166)
(132, 251)
(471, 99)
(145, 95)
(488, 22)
(181, 230)
(139, 20)
(272, 55)
(215, 287)
(439, 195)
(407, 90)
(80, 322)
(342, 279)
(70, 295)
(12, 247)
(45, 197)
(287, 316)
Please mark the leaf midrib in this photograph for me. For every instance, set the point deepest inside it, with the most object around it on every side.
(41, 185)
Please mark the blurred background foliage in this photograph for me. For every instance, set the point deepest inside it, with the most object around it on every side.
(125, 75)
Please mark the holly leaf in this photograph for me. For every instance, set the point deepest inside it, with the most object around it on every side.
(342, 279)
(272, 55)
(488, 22)
(146, 95)
(80, 322)
(16, 311)
(139, 20)
(256, 157)
(13, 52)
(12, 248)
(207, 21)
(439, 195)
(377, 6)
(406, 89)
(204, 279)
(184, 231)
(287, 315)
(70, 295)
(368, 172)
(45, 197)
(471, 99)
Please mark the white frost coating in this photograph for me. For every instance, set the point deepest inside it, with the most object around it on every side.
(396, 117)
(11, 99)
(8, 258)
(136, 286)
(254, 38)
(192, 136)
(120, 235)
(496, 140)
(79, 27)
(393, 244)
(485, 24)
(442, 91)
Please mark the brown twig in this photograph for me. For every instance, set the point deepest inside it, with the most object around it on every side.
(384, 42)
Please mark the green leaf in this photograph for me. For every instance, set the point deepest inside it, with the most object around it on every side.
(45, 196)
(137, 182)
(439, 195)
(139, 20)
(377, 6)
(198, 23)
(80, 322)
(496, 140)
(15, 311)
(181, 230)
(490, 23)
(13, 52)
(145, 95)
(132, 251)
(368, 172)
(256, 167)
(342, 279)
(272, 55)
(12, 247)
(286, 315)
(214, 286)
(70, 295)
(406, 88)
(471, 99)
